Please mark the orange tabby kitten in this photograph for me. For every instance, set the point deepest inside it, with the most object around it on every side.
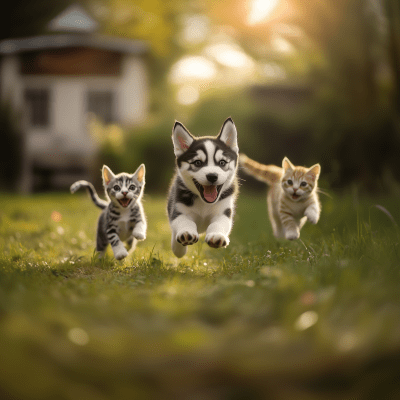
(292, 197)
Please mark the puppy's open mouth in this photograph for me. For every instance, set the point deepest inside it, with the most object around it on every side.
(209, 193)
(124, 202)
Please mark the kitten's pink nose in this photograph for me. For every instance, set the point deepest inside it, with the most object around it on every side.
(294, 190)
(124, 193)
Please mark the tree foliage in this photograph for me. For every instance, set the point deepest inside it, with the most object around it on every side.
(151, 20)
(27, 18)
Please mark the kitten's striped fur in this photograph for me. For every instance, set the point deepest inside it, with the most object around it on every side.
(92, 192)
(292, 197)
(123, 217)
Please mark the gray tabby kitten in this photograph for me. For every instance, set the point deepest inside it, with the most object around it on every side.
(123, 217)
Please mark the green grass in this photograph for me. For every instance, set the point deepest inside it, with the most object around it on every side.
(318, 318)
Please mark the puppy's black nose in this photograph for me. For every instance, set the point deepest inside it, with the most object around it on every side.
(212, 177)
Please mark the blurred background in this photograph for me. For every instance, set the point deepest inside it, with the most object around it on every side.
(93, 82)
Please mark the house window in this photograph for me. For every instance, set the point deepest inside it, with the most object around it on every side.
(37, 103)
(101, 103)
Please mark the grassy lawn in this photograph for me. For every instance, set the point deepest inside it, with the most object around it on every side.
(318, 318)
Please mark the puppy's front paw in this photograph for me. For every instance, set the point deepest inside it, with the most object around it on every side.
(312, 216)
(187, 238)
(292, 235)
(217, 240)
(139, 235)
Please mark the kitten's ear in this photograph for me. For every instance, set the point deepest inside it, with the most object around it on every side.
(228, 135)
(181, 138)
(314, 171)
(107, 175)
(139, 173)
(286, 164)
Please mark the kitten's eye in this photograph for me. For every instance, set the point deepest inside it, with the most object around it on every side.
(290, 182)
(198, 163)
(222, 163)
(303, 184)
(132, 187)
(116, 188)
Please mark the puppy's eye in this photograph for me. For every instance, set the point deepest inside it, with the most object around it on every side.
(132, 187)
(222, 163)
(116, 188)
(303, 184)
(197, 163)
(290, 182)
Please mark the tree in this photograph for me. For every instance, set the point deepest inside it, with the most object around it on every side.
(347, 49)
(29, 17)
(150, 20)
(392, 8)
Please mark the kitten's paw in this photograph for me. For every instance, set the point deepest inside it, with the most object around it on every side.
(139, 235)
(312, 216)
(279, 234)
(292, 235)
(101, 254)
(120, 253)
(217, 240)
(187, 238)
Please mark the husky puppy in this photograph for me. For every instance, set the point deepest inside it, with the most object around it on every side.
(204, 189)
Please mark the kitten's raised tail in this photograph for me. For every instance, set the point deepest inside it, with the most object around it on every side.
(266, 173)
(91, 190)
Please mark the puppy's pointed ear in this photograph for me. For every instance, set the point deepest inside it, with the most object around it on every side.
(107, 175)
(181, 138)
(139, 173)
(228, 135)
(314, 172)
(286, 164)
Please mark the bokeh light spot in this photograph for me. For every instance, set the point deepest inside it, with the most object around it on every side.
(56, 216)
(78, 336)
(260, 9)
(306, 320)
(192, 68)
(187, 95)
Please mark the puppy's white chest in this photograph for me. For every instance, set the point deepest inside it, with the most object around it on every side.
(202, 222)
(202, 214)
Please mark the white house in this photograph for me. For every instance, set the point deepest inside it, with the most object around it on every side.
(54, 81)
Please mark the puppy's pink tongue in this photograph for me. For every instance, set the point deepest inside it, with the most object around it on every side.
(210, 193)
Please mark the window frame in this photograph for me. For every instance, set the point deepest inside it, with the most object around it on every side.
(107, 117)
(37, 101)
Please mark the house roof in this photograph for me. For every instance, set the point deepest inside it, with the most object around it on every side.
(78, 27)
(56, 41)
(74, 18)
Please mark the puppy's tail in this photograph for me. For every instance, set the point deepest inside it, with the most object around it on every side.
(91, 190)
(269, 174)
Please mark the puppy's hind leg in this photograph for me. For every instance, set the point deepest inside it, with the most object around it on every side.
(177, 248)
(184, 233)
